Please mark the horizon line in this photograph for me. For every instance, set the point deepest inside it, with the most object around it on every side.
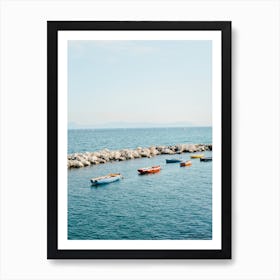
(193, 126)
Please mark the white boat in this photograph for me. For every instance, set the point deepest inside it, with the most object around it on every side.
(106, 179)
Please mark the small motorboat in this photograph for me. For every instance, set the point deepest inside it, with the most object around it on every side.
(173, 160)
(149, 170)
(206, 159)
(197, 156)
(187, 163)
(106, 179)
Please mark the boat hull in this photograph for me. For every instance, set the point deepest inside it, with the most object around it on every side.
(197, 156)
(149, 170)
(206, 159)
(188, 163)
(173, 160)
(105, 180)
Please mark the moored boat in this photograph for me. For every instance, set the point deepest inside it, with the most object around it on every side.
(197, 156)
(173, 160)
(106, 179)
(149, 170)
(187, 163)
(206, 159)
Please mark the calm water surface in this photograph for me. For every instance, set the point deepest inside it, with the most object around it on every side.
(96, 139)
(173, 204)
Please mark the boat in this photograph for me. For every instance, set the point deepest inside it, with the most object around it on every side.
(206, 159)
(197, 156)
(187, 163)
(173, 160)
(149, 170)
(106, 179)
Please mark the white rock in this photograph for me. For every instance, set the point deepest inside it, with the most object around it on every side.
(135, 154)
(77, 164)
(85, 162)
(93, 159)
(117, 154)
(145, 152)
(190, 147)
(167, 152)
(122, 158)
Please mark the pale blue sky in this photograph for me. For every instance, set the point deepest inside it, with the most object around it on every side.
(157, 82)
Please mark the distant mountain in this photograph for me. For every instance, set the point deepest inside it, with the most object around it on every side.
(73, 125)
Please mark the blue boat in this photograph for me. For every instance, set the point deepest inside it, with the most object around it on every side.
(206, 159)
(110, 178)
(173, 160)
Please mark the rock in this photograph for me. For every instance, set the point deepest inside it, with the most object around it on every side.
(145, 152)
(76, 164)
(97, 154)
(135, 154)
(86, 163)
(122, 158)
(153, 151)
(117, 155)
(130, 156)
(190, 148)
(179, 149)
(104, 154)
(93, 159)
(172, 148)
(127, 154)
(77, 160)
(160, 149)
(105, 157)
(167, 151)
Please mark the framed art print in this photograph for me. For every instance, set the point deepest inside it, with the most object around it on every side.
(139, 140)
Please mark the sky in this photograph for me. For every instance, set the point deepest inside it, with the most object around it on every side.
(139, 83)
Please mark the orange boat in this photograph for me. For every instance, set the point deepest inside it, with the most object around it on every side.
(187, 163)
(149, 170)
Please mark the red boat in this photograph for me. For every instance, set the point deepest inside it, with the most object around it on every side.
(149, 170)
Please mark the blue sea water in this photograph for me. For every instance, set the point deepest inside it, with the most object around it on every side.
(83, 140)
(174, 204)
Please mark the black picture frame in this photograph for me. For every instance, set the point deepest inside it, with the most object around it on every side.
(53, 27)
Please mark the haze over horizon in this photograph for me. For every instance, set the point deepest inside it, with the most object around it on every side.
(132, 125)
(151, 83)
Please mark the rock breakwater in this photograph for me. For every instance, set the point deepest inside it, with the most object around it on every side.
(78, 160)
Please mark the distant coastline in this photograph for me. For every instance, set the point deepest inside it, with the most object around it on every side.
(120, 125)
(140, 127)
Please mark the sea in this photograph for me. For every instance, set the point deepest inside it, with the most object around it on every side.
(174, 204)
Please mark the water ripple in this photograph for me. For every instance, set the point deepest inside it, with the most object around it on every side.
(173, 204)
